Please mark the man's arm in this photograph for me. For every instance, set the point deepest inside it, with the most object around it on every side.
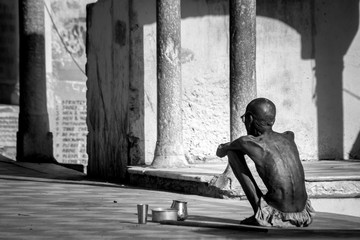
(236, 145)
(222, 150)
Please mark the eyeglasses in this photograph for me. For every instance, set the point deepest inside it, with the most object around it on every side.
(244, 115)
(243, 118)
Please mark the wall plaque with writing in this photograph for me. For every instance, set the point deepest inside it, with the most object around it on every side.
(8, 129)
(70, 132)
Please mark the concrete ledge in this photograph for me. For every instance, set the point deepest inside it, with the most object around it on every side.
(182, 186)
(186, 174)
(324, 179)
(333, 178)
(333, 189)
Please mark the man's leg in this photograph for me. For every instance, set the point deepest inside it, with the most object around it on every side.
(242, 172)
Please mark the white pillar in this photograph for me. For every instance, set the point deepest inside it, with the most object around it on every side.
(169, 150)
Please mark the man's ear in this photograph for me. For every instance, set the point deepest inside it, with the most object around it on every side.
(251, 118)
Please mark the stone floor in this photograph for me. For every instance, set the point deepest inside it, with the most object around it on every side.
(45, 201)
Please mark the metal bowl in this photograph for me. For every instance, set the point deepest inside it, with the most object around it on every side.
(164, 214)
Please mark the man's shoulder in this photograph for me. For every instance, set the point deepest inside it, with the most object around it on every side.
(250, 140)
(254, 147)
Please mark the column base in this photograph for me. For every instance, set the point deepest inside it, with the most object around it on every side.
(34, 148)
(174, 161)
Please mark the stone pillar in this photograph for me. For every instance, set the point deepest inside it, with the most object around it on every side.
(242, 61)
(34, 141)
(242, 66)
(169, 150)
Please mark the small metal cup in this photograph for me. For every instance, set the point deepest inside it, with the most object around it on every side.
(181, 206)
(142, 210)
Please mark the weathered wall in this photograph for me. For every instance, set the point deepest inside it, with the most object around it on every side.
(307, 63)
(9, 116)
(285, 68)
(65, 23)
(205, 67)
(337, 63)
(65, 26)
(9, 89)
(300, 53)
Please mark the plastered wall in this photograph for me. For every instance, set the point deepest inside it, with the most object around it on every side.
(65, 27)
(307, 63)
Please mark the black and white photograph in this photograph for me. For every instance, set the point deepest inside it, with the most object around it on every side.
(179, 119)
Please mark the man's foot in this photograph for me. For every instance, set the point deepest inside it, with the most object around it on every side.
(250, 221)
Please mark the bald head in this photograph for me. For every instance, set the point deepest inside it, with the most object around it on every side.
(263, 110)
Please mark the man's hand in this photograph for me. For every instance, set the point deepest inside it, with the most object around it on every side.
(222, 150)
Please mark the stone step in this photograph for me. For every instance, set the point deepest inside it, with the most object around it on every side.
(323, 179)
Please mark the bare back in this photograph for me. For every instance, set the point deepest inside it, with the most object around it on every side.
(277, 161)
